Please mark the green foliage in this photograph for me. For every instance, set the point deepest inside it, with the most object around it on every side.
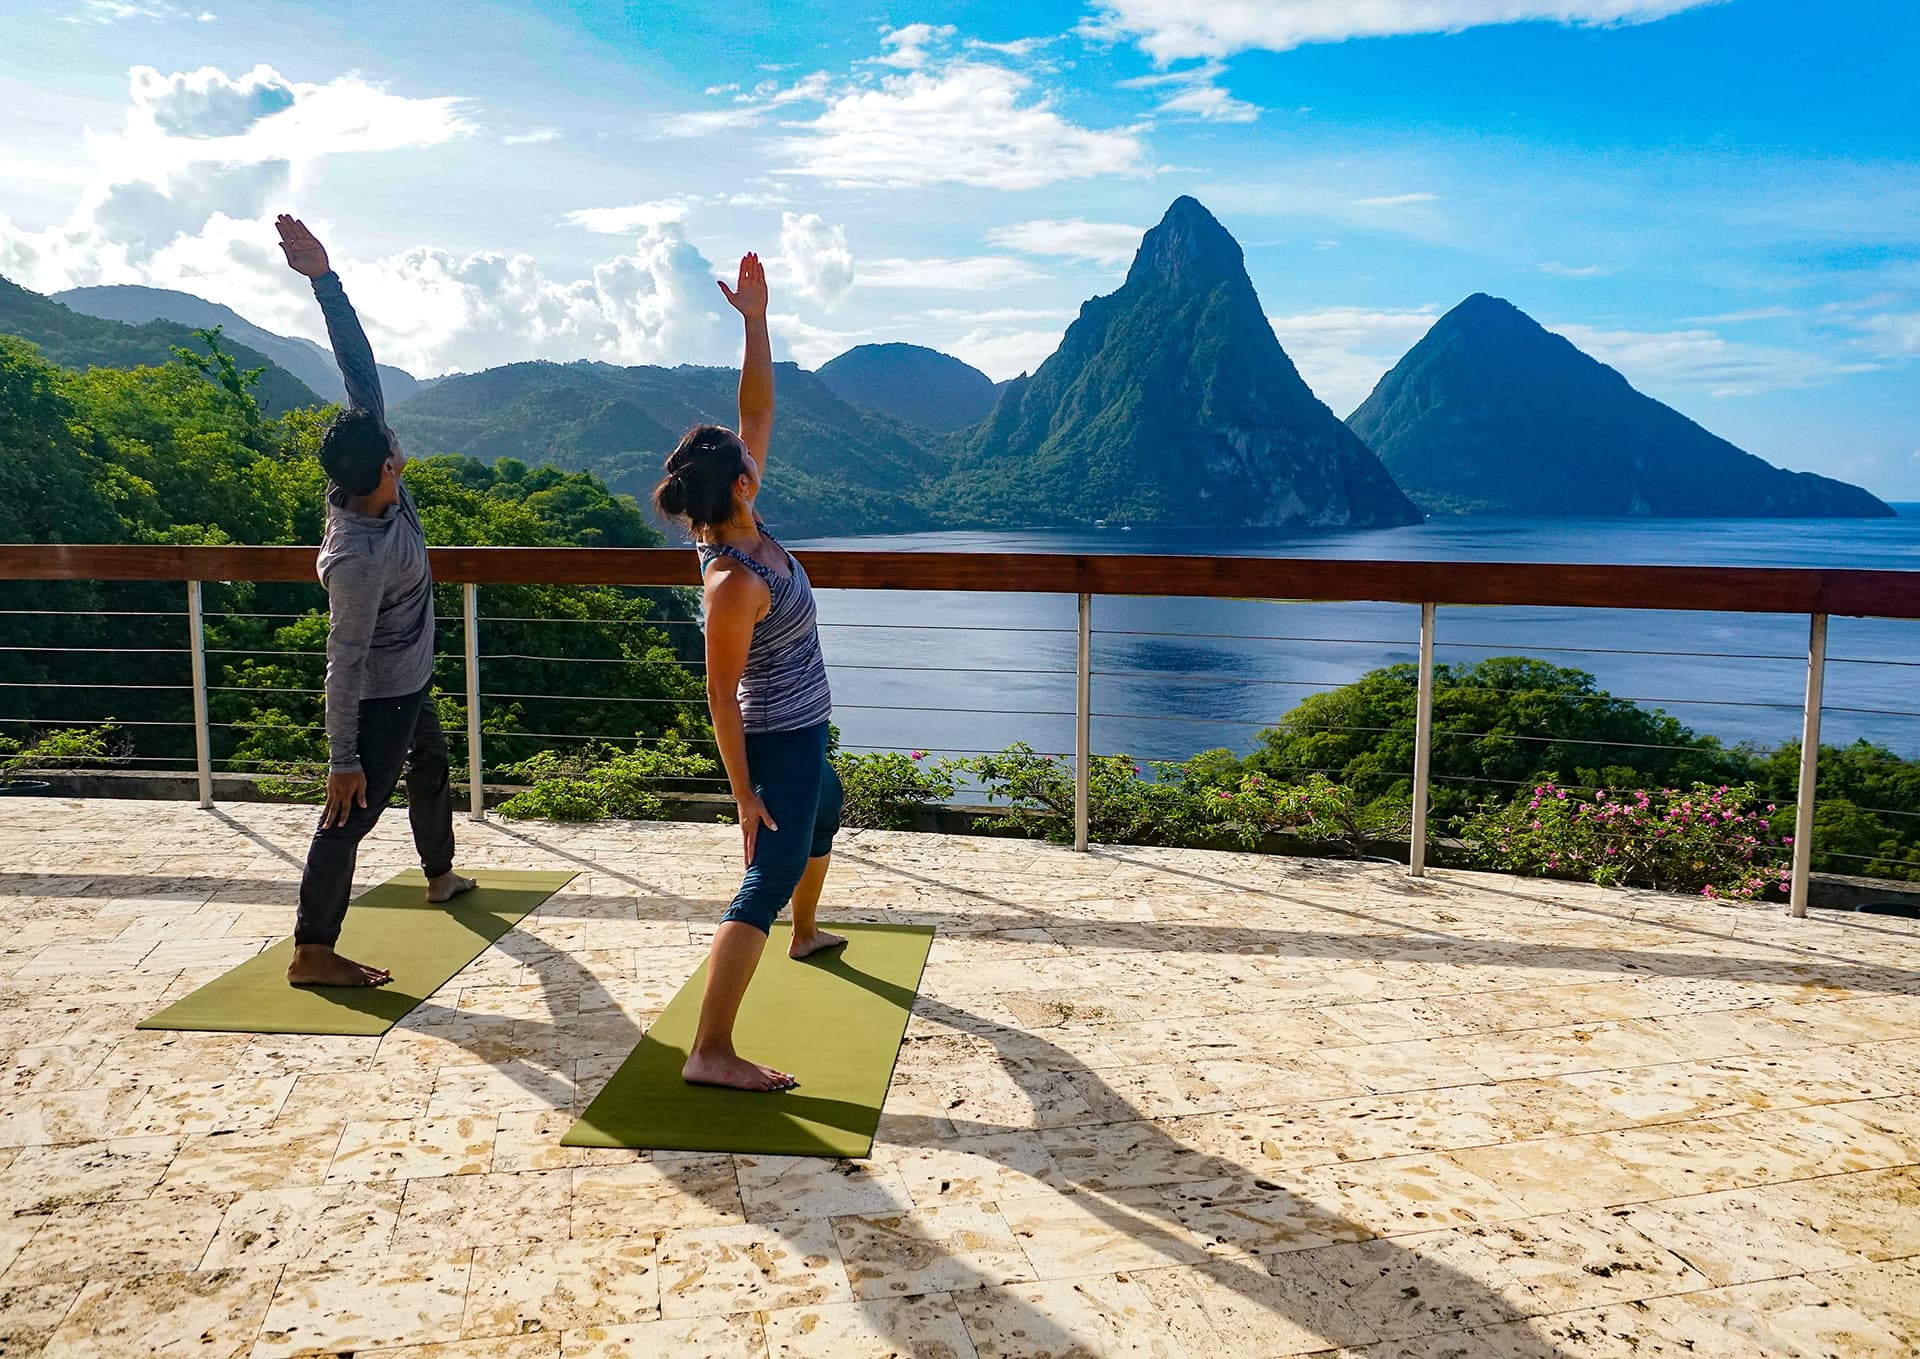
(1866, 819)
(161, 454)
(65, 748)
(1506, 722)
(1200, 804)
(885, 788)
(51, 471)
(73, 339)
(1719, 842)
(602, 781)
(842, 468)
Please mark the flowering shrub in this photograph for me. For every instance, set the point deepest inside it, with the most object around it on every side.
(1718, 842)
(884, 789)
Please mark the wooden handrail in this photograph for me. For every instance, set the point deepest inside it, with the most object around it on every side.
(1713, 589)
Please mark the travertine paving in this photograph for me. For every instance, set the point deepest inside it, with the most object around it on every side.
(1153, 1102)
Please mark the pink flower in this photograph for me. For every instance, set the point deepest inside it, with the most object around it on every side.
(1225, 794)
(918, 755)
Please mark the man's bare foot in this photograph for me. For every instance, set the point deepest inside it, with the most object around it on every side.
(817, 942)
(317, 965)
(734, 1072)
(448, 886)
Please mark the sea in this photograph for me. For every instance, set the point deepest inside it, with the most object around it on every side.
(969, 672)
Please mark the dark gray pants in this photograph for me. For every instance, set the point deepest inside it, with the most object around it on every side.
(397, 735)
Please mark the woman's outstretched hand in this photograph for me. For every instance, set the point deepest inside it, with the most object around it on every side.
(748, 295)
(305, 255)
(753, 814)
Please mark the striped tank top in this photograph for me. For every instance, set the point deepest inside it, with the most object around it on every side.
(784, 687)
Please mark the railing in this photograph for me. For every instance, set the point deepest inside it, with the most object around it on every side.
(1815, 594)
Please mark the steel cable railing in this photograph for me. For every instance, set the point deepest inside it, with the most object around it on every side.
(252, 650)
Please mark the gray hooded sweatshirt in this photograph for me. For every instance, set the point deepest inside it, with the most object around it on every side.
(379, 591)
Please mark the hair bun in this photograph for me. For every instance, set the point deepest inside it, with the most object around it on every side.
(671, 496)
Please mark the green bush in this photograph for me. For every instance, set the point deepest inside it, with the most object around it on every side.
(66, 748)
(1206, 803)
(1717, 841)
(885, 788)
(603, 781)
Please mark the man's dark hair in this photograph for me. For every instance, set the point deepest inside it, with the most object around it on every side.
(353, 450)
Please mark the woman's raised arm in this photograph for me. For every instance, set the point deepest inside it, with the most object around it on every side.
(748, 296)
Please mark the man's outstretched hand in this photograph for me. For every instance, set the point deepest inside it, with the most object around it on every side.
(748, 295)
(305, 254)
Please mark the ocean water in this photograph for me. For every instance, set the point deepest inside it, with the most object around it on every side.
(971, 672)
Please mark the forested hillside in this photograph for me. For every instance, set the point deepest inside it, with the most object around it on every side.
(159, 454)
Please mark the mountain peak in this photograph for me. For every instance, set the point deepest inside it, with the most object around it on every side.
(1188, 246)
(1492, 413)
(1483, 310)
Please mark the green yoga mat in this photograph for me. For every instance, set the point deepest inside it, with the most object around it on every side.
(392, 926)
(835, 1020)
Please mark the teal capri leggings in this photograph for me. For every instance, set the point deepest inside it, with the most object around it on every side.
(790, 773)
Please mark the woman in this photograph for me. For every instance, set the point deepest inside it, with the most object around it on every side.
(767, 691)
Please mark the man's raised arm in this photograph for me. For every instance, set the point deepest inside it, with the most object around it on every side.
(351, 350)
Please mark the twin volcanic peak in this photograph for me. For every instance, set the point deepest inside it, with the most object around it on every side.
(1170, 401)
(1491, 413)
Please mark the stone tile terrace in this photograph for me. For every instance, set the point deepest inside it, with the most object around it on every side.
(1153, 1102)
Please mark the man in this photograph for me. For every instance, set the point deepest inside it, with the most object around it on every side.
(380, 711)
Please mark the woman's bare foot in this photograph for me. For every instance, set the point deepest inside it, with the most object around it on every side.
(734, 1072)
(318, 965)
(817, 942)
(448, 886)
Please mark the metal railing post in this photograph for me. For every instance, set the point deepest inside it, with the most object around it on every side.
(1083, 723)
(1809, 766)
(476, 765)
(1422, 749)
(202, 727)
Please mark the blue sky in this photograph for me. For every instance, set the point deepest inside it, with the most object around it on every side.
(1720, 199)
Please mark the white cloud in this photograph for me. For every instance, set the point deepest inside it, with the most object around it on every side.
(907, 46)
(533, 136)
(202, 150)
(1895, 334)
(1196, 94)
(634, 217)
(1171, 30)
(1397, 200)
(706, 122)
(816, 257)
(1653, 360)
(1019, 47)
(432, 311)
(998, 316)
(812, 345)
(1559, 270)
(1110, 244)
(1002, 354)
(1734, 318)
(1343, 351)
(184, 198)
(103, 12)
(970, 123)
(208, 102)
(749, 109)
(979, 273)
